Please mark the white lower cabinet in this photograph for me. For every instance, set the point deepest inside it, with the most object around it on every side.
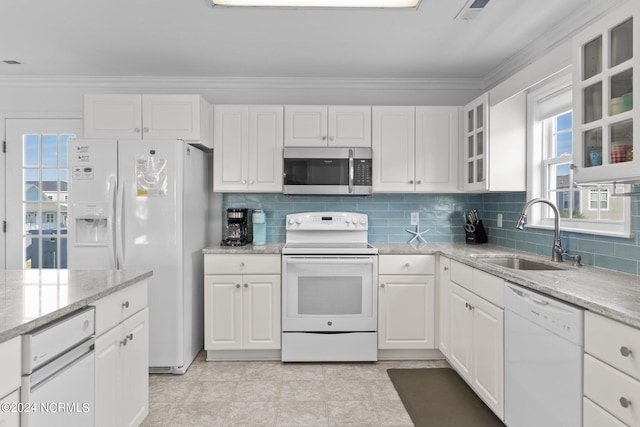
(242, 307)
(122, 358)
(406, 302)
(476, 332)
(10, 371)
(611, 373)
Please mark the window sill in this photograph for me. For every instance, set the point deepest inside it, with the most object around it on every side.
(563, 228)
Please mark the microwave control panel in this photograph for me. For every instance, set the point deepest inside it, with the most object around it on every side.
(362, 172)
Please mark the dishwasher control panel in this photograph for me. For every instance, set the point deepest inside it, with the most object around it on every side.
(556, 316)
(49, 341)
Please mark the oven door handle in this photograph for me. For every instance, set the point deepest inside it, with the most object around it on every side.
(305, 260)
(351, 170)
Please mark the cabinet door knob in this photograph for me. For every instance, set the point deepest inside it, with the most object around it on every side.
(446, 268)
(418, 182)
(125, 304)
(331, 138)
(124, 341)
(410, 181)
(382, 285)
(407, 265)
(238, 285)
(244, 181)
(324, 138)
(145, 129)
(625, 351)
(130, 337)
(246, 285)
(136, 130)
(624, 402)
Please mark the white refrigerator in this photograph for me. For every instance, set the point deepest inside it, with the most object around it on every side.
(143, 205)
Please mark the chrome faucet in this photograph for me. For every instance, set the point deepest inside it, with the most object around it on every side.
(557, 251)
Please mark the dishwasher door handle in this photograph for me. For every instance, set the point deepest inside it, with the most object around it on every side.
(62, 363)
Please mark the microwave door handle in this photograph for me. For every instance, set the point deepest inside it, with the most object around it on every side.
(351, 170)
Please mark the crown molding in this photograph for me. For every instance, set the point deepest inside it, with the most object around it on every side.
(551, 39)
(262, 83)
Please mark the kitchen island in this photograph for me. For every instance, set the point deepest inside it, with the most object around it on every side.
(31, 299)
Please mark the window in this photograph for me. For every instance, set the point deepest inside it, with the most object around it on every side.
(599, 199)
(590, 209)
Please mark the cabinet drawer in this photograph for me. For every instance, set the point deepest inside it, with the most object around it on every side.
(489, 287)
(241, 264)
(406, 264)
(609, 341)
(607, 387)
(116, 307)
(10, 365)
(462, 274)
(595, 416)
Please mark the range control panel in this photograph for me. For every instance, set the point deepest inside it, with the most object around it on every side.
(327, 221)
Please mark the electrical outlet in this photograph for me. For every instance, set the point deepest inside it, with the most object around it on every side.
(499, 221)
(415, 218)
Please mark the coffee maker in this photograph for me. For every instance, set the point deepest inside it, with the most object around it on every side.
(236, 228)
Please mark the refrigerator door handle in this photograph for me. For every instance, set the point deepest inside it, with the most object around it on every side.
(120, 226)
(110, 219)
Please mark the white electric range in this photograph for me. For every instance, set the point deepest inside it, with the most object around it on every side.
(329, 288)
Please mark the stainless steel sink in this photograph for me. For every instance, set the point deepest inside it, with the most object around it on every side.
(520, 263)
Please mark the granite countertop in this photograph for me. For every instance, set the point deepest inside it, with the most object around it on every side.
(610, 293)
(269, 248)
(32, 298)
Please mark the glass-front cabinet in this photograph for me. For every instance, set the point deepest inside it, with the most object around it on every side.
(606, 68)
(476, 133)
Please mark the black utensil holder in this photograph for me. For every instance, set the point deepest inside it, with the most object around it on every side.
(478, 236)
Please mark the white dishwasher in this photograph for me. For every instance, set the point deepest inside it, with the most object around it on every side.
(543, 360)
(58, 371)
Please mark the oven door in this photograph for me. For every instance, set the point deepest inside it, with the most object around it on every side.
(329, 293)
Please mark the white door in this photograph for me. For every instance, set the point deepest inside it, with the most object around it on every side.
(393, 144)
(36, 180)
(406, 312)
(231, 148)
(460, 330)
(93, 175)
(112, 116)
(437, 149)
(488, 354)
(149, 230)
(305, 126)
(222, 312)
(171, 117)
(265, 148)
(135, 368)
(349, 126)
(261, 312)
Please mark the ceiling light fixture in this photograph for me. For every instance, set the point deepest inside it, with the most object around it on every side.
(320, 3)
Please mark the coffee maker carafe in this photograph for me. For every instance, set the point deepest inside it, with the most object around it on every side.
(236, 230)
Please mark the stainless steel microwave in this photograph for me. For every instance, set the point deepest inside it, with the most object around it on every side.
(327, 171)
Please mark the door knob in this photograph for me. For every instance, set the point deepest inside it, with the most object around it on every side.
(625, 351)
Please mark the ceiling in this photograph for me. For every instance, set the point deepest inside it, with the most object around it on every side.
(188, 38)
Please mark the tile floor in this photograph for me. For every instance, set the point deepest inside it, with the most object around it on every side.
(279, 394)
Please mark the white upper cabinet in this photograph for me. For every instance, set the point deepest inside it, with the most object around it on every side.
(605, 72)
(494, 144)
(436, 153)
(332, 126)
(248, 148)
(109, 116)
(415, 149)
(393, 144)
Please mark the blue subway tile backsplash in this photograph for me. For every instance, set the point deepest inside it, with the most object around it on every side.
(441, 215)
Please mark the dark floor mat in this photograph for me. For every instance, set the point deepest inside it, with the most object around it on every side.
(438, 397)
